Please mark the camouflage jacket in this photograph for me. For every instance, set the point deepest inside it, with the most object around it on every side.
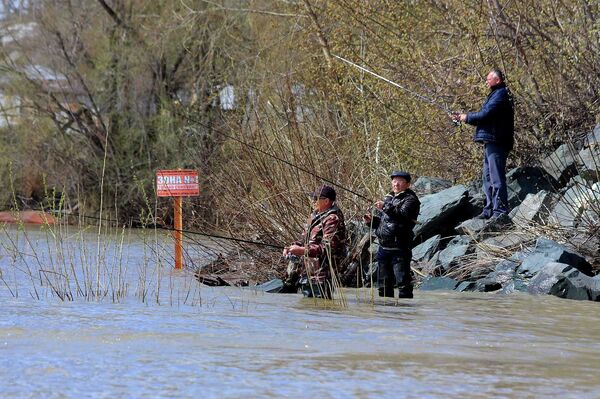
(324, 238)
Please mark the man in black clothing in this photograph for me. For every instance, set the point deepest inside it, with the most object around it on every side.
(495, 130)
(393, 220)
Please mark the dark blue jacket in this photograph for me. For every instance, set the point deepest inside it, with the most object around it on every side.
(495, 120)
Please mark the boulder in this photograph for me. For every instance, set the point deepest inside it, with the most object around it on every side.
(480, 272)
(535, 208)
(546, 251)
(561, 164)
(357, 230)
(438, 283)
(471, 227)
(569, 210)
(549, 274)
(465, 286)
(476, 198)
(590, 217)
(493, 281)
(430, 185)
(502, 242)
(456, 248)
(476, 204)
(577, 286)
(593, 138)
(527, 180)
(272, 286)
(516, 284)
(424, 251)
(442, 211)
(589, 163)
(506, 265)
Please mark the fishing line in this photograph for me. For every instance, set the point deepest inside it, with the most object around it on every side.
(189, 232)
(293, 165)
(415, 94)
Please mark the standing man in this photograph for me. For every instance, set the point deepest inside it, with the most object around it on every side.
(322, 247)
(394, 220)
(495, 129)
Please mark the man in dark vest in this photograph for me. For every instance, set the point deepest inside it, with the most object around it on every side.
(393, 220)
(495, 130)
(322, 246)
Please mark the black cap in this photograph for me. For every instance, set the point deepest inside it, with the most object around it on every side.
(324, 192)
(399, 173)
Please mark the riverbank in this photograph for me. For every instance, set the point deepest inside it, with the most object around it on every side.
(27, 217)
(549, 244)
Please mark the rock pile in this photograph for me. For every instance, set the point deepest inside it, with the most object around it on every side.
(549, 244)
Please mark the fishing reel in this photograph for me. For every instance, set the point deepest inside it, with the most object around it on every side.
(455, 118)
(292, 258)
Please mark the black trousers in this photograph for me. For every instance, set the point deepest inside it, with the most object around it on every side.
(393, 271)
(311, 289)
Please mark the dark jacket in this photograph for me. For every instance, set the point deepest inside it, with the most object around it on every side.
(395, 222)
(325, 240)
(495, 120)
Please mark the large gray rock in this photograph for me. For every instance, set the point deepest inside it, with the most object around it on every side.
(502, 243)
(561, 164)
(442, 211)
(516, 284)
(273, 286)
(546, 251)
(493, 281)
(577, 286)
(535, 208)
(593, 138)
(527, 180)
(589, 163)
(424, 251)
(506, 265)
(548, 276)
(471, 226)
(476, 198)
(590, 217)
(465, 286)
(569, 210)
(456, 248)
(429, 185)
(501, 277)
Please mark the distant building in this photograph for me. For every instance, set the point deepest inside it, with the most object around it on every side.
(227, 98)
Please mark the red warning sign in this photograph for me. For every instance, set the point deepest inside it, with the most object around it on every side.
(177, 183)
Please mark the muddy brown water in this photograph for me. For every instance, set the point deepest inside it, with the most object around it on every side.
(184, 340)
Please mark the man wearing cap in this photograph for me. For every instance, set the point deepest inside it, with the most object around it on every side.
(322, 246)
(393, 220)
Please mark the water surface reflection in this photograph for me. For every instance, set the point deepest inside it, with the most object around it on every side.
(237, 342)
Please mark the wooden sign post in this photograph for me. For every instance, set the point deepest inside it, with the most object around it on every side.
(177, 183)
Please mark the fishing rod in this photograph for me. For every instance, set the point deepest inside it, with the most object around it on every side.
(293, 165)
(228, 238)
(413, 93)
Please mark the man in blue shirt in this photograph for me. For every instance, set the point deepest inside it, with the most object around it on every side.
(495, 130)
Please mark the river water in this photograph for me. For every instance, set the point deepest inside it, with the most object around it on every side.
(165, 336)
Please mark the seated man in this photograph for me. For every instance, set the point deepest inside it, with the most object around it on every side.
(322, 246)
(394, 220)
